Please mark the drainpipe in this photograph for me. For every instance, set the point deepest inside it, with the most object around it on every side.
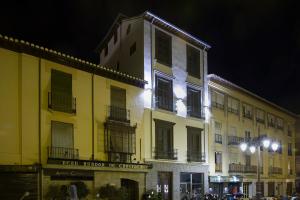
(93, 118)
(39, 133)
(152, 104)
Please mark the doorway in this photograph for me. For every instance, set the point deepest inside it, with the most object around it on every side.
(132, 188)
(165, 184)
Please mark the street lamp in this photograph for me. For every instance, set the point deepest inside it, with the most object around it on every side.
(257, 143)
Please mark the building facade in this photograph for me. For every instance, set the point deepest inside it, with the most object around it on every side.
(174, 64)
(65, 120)
(238, 115)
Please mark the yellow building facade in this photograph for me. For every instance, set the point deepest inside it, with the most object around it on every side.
(238, 115)
(65, 120)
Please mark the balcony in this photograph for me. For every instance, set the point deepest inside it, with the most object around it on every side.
(275, 170)
(62, 102)
(118, 114)
(170, 154)
(218, 138)
(236, 168)
(239, 168)
(259, 120)
(63, 153)
(218, 105)
(233, 110)
(195, 156)
(247, 115)
(235, 140)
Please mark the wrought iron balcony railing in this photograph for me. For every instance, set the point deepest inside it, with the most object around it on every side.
(239, 168)
(247, 115)
(218, 105)
(218, 138)
(62, 102)
(275, 170)
(118, 114)
(233, 110)
(236, 168)
(63, 153)
(235, 140)
(170, 154)
(195, 156)
(262, 121)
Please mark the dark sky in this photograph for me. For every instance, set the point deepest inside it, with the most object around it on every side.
(255, 43)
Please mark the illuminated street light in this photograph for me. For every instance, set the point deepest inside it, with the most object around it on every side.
(266, 143)
(275, 146)
(252, 149)
(243, 146)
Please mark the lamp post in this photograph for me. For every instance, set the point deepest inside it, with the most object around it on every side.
(256, 144)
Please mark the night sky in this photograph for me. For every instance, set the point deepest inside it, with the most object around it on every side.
(255, 43)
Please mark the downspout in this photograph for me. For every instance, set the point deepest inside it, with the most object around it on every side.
(93, 117)
(39, 133)
(152, 104)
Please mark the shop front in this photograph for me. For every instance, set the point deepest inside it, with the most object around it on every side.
(225, 185)
(178, 180)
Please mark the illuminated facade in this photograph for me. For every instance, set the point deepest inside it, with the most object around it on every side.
(238, 115)
(174, 64)
(65, 120)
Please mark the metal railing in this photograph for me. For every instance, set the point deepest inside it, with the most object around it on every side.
(218, 138)
(260, 120)
(233, 110)
(239, 168)
(235, 140)
(247, 115)
(170, 154)
(63, 153)
(275, 170)
(195, 156)
(118, 114)
(217, 105)
(63, 102)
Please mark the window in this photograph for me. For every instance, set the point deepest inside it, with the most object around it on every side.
(279, 123)
(62, 141)
(164, 93)
(289, 130)
(120, 141)
(217, 99)
(233, 105)
(191, 185)
(218, 132)
(260, 116)
(194, 144)
(132, 48)
(163, 48)
(117, 109)
(193, 61)
(106, 50)
(194, 102)
(60, 98)
(247, 111)
(115, 36)
(247, 136)
(164, 140)
(128, 29)
(271, 120)
(218, 161)
(290, 151)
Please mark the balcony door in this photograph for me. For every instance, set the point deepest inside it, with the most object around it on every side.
(194, 144)
(165, 185)
(62, 140)
(164, 139)
(118, 103)
(61, 91)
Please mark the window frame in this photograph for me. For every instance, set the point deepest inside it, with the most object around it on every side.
(169, 97)
(160, 38)
(194, 111)
(192, 61)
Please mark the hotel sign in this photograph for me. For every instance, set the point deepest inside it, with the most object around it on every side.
(100, 164)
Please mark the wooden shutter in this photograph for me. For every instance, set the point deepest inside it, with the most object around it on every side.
(163, 48)
(193, 61)
(62, 134)
(118, 97)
